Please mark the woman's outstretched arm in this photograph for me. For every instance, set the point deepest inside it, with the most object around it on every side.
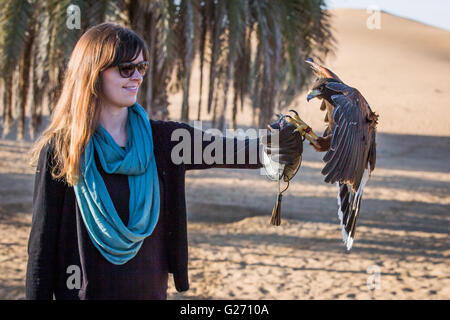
(198, 149)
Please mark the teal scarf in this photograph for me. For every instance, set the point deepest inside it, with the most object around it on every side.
(116, 242)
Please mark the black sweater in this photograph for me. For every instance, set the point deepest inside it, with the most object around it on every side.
(64, 264)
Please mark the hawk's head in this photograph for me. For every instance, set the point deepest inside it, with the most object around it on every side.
(324, 76)
(319, 89)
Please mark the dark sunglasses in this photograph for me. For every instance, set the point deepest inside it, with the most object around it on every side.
(126, 69)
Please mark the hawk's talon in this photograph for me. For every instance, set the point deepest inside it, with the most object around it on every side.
(302, 128)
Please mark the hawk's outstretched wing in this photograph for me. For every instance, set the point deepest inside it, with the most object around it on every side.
(352, 153)
(353, 141)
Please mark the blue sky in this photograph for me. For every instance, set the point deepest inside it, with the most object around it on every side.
(432, 12)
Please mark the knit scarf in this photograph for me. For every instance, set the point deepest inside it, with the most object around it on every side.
(117, 242)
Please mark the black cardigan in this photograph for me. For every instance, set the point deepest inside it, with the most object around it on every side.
(59, 248)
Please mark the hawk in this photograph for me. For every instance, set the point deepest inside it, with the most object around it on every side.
(348, 140)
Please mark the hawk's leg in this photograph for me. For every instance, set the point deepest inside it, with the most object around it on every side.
(323, 143)
(319, 143)
(303, 128)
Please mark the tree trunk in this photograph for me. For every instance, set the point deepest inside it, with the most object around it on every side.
(24, 83)
(235, 108)
(2, 99)
(7, 110)
(152, 34)
(214, 116)
(202, 42)
(40, 69)
(187, 63)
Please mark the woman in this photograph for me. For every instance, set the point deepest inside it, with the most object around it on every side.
(109, 212)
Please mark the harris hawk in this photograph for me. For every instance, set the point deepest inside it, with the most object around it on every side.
(348, 140)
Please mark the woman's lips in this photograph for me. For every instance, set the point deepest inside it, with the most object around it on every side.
(131, 89)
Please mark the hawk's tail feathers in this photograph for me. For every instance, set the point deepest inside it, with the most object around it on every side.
(349, 203)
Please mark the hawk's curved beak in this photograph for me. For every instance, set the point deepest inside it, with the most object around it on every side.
(312, 94)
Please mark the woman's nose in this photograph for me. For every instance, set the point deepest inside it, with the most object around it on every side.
(136, 76)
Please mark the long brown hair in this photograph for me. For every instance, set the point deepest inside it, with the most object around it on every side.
(76, 114)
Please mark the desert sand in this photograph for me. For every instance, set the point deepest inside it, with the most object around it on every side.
(401, 250)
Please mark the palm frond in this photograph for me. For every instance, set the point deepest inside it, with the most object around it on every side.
(14, 24)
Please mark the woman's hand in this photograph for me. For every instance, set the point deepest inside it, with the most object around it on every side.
(283, 146)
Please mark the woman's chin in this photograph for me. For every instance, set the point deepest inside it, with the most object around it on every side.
(128, 102)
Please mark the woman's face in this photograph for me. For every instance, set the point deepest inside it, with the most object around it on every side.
(118, 91)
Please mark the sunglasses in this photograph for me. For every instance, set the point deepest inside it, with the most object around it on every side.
(126, 69)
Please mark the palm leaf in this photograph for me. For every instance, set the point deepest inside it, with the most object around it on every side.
(14, 24)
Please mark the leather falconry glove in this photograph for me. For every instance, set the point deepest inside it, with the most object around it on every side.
(282, 157)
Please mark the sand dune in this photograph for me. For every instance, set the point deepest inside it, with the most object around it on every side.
(403, 71)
